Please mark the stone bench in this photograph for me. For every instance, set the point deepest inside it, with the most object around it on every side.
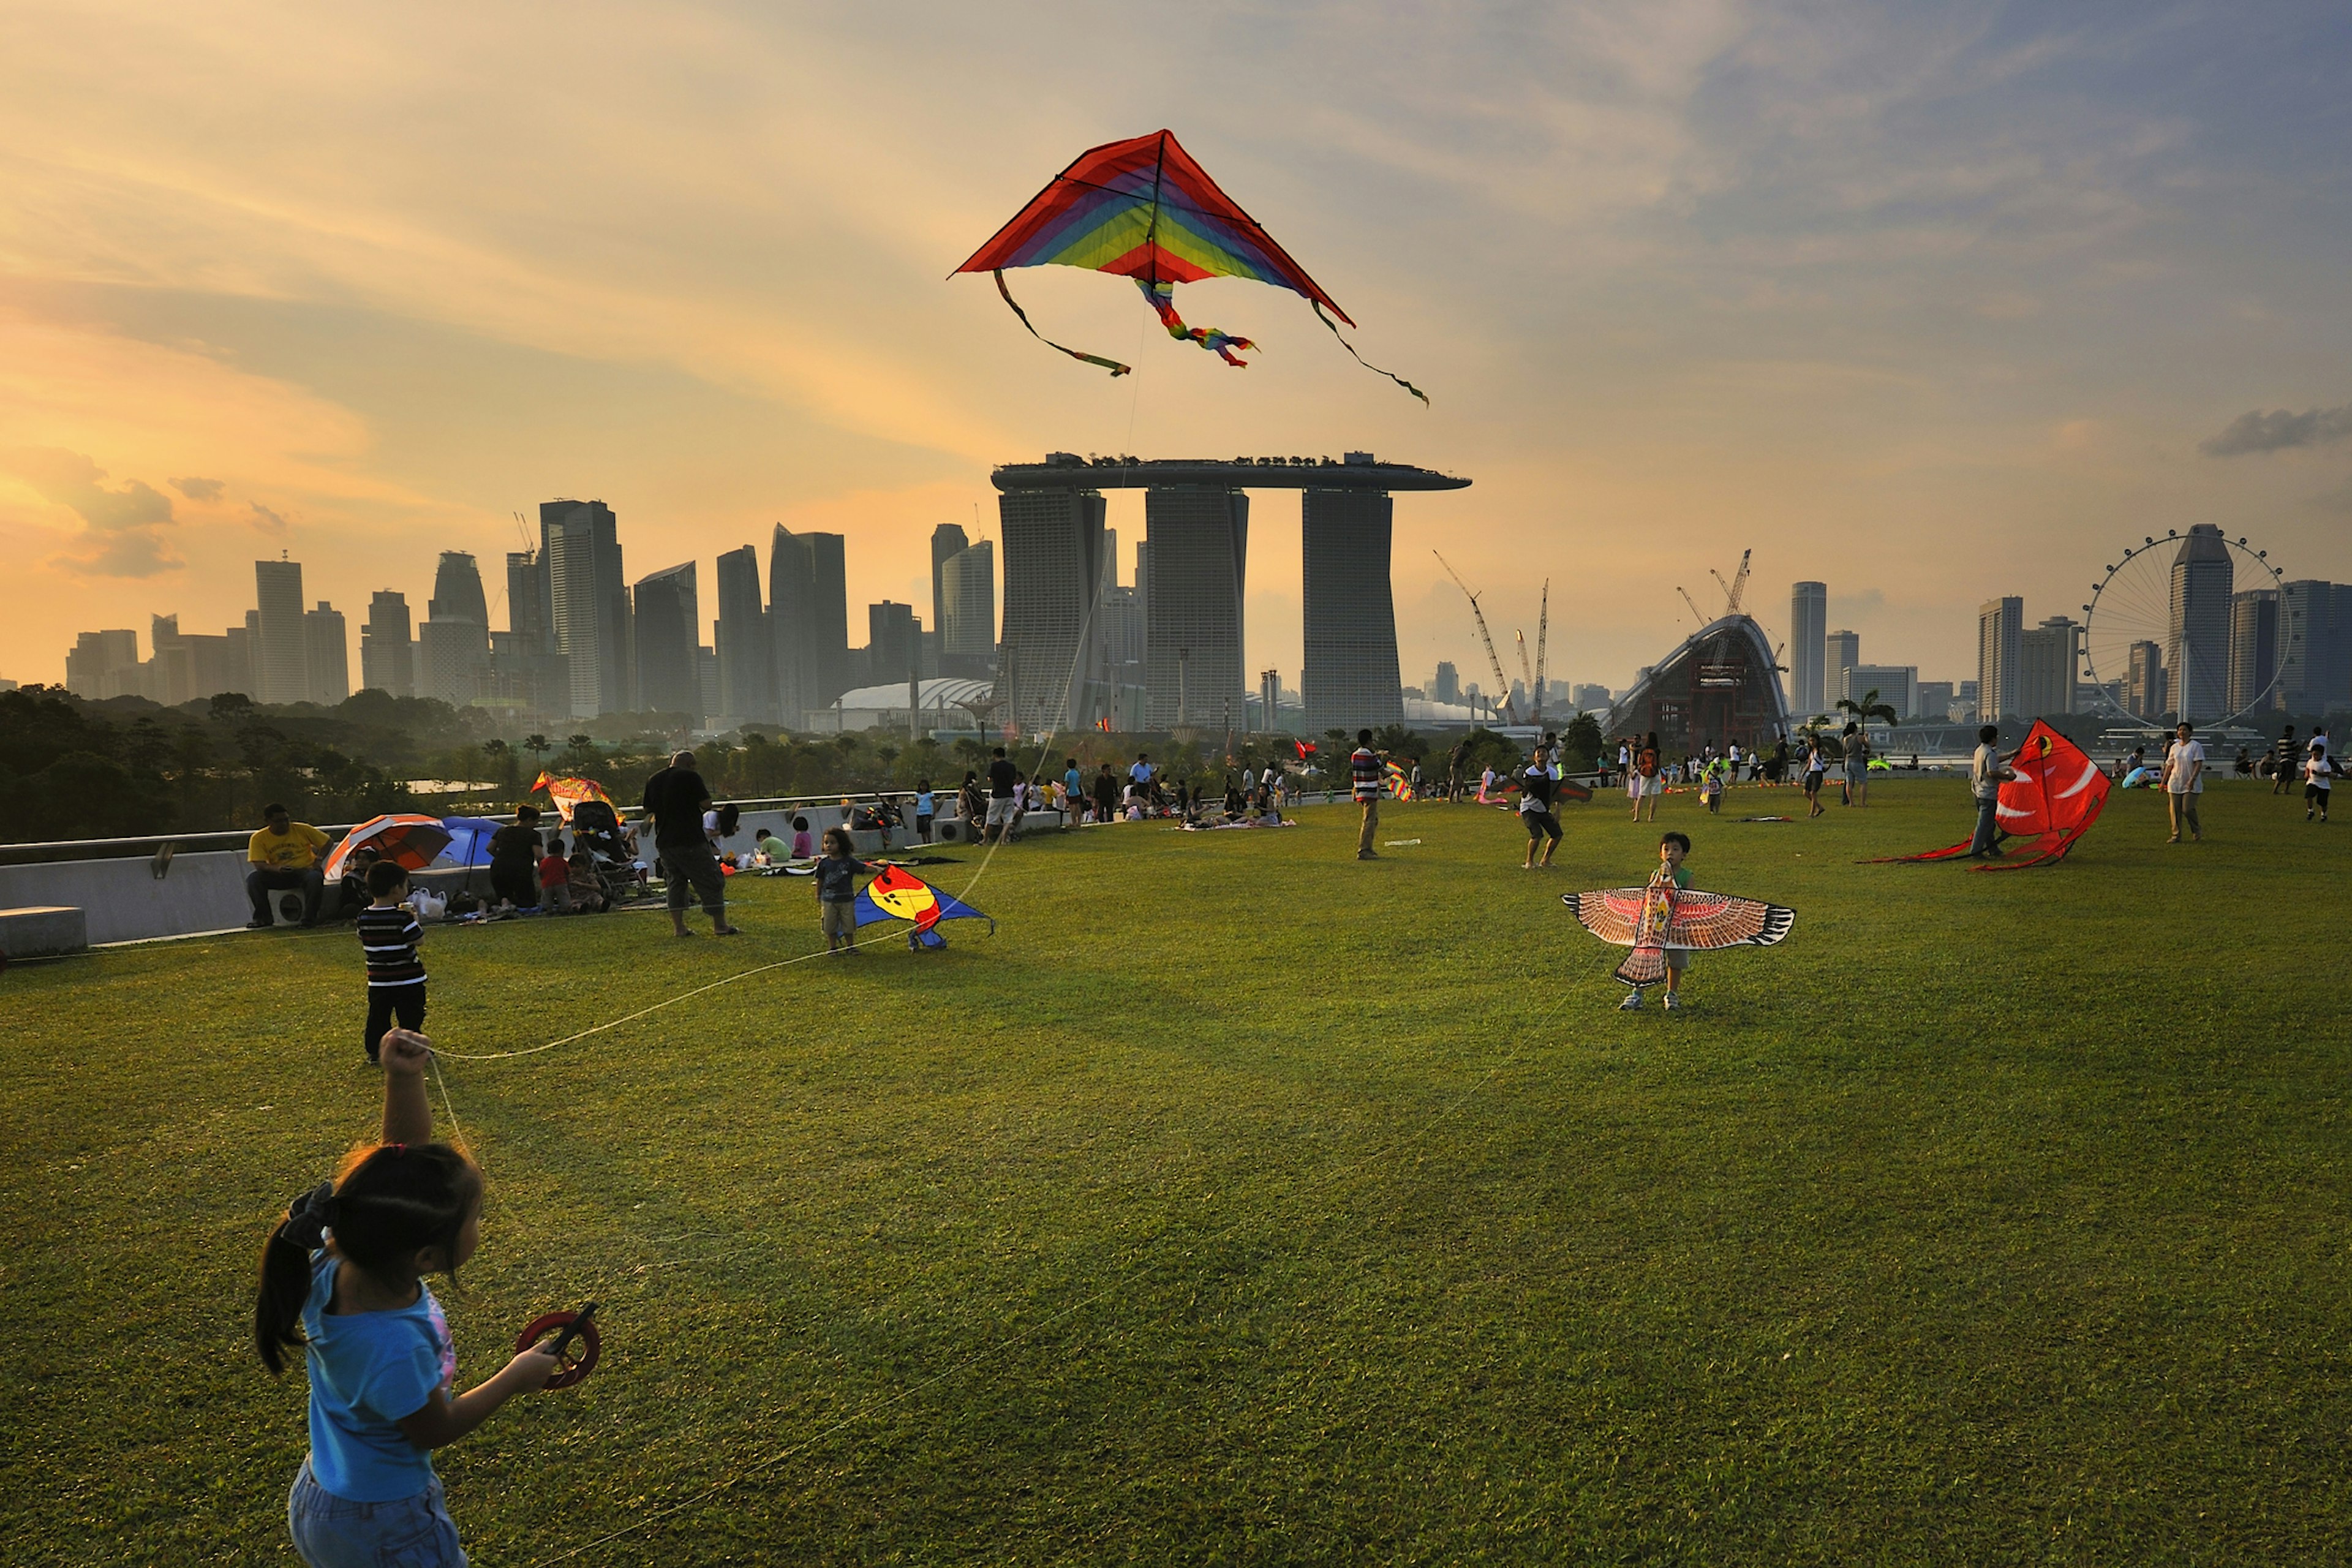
(42, 931)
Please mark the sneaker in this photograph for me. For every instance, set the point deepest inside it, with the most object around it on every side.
(1633, 1003)
(1367, 854)
(258, 925)
(1670, 1002)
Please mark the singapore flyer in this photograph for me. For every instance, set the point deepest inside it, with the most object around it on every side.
(2165, 638)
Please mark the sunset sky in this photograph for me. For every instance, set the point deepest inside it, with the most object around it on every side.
(1931, 302)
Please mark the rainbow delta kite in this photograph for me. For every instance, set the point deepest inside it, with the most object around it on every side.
(1661, 916)
(2057, 795)
(1143, 209)
(900, 895)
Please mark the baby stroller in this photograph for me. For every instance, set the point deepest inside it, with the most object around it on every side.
(596, 828)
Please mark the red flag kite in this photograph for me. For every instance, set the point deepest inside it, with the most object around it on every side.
(1306, 749)
(2057, 795)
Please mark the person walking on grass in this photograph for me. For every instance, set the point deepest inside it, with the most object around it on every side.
(2318, 775)
(2184, 782)
(342, 1282)
(2286, 760)
(1003, 798)
(1815, 766)
(1672, 850)
(676, 799)
(1646, 780)
(1987, 773)
(1364, 783)
(1857, 765)
(1535, 811)
(389, 937)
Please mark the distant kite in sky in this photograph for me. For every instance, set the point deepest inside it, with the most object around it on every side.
(1143, 209)
(1661, 916)
(2056, 796)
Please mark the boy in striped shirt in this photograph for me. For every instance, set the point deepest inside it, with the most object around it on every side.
(1364, 783)
(389, 936)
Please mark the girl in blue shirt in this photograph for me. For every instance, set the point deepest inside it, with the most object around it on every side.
(343, 1276)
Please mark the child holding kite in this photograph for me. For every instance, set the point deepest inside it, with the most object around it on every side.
(342, 1277)
(1666, 921)
(837, 890)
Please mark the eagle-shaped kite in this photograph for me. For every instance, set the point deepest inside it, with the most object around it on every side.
(1142, 209)
(900, 895)
(1661, 916)
(2057, 795)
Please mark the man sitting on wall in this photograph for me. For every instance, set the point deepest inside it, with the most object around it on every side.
(284, 854)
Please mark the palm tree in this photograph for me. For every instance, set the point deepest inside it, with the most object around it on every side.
(1869, 708)
(537, 746)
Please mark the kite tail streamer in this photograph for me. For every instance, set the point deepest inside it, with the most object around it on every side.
(1216, 340)
(1111, 366)
(1362, 360)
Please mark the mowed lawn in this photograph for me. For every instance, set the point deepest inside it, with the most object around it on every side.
(1237, 1202)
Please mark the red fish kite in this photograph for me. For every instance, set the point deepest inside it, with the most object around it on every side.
(2057, 795)
(1142, 209)
(568, 792)
(899, 894)
(1661, 916)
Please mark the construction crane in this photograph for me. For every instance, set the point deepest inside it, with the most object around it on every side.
(1737, 586)
(1494, 659)
(1527, 671)
(1696, 614)
(1543, 636)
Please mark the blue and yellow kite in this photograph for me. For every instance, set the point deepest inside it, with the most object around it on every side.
(899, 894)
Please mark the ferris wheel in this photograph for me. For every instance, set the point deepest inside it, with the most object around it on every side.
(2159, 631)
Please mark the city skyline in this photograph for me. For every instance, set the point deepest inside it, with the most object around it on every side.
(2044, 285)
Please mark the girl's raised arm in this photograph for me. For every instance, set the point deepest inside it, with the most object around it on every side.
(407, 1113)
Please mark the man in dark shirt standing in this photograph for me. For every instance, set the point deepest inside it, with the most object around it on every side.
(1002, 778)
(676, 799)
(2286, 762)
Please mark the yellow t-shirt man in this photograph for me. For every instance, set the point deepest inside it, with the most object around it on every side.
(296, 850)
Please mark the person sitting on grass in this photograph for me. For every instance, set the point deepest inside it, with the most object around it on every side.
(284, 854)
(803, 842)
(769, 850)
(587, 887)
(342, 1278)
(837, 890)
(514, 858)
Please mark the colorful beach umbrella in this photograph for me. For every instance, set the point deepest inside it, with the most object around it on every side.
(408, 840)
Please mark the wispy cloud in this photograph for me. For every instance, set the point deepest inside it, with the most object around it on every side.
(2278, 430)
(199, 490)
(121, 532)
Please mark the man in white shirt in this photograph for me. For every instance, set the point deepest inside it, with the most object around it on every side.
(2318, 775)
(2184, 780)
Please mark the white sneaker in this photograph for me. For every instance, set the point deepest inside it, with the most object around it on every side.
(1671, 1004)
(1633, 1003)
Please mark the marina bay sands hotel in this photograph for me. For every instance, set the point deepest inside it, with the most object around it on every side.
(1058, 668)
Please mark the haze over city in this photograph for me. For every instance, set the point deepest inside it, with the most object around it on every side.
(1931, 309)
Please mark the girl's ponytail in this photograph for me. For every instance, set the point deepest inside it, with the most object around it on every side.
(286, 1274)
(390, 1201)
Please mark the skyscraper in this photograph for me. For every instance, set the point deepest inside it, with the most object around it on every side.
(1809, 621)
(1841, 651)
(1446, 685)
(948, 541)
(2253, 648)
(278, 589)
(587, 599)
(526, 601)
(1350, 679)
(808, 621)
(327, 654)
(967, 625)
(747, 657)
(455, 635)
(1053, 574)
(1199, 536)
(386, 662)
(667, 610)
(2001, 632)
(2144, 693)
(96, 657)
(2047, 666)
(2197, 649)
(2306, 644)
(894, 646)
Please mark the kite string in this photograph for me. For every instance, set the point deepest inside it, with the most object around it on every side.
(1121, 1281)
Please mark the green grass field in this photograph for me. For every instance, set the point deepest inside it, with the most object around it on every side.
(1238, 1203)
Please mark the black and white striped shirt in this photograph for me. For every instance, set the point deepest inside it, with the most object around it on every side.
(389, 937)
